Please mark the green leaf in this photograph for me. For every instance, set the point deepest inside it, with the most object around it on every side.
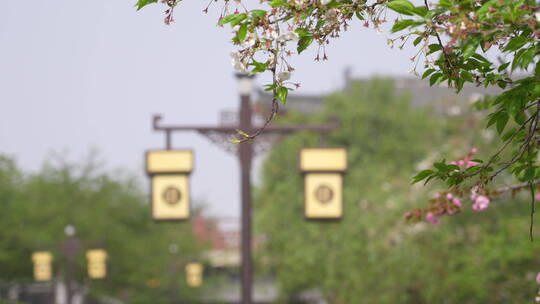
(303, 43)
(418, 40)
(500, 119)
(281, 94)
(227, 19)
(401, 25)
(481, 58)
(269, 87)
(503, 66)
(421, 11)
(427, 73)
(529, 174)
(441, 166)
(401, 6)
(242, 33)
(421, 175)
(142, 3)
(276, 3)
(259, 66)
(434, 48)
(302, 32)
(470, 48)
(445, 3)
(435, 78)
(258, 13)
(516, 43)
(527, 58)
(520, 117)
(467, 76)
(239, 18)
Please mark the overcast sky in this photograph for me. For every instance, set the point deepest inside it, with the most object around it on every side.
(77, 75)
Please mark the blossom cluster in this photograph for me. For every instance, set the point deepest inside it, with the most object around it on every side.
(451, 202)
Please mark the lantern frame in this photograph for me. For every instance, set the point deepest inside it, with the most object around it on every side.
(90, 252)
(340, 169)
(200, 273)
(47, 255)
(177, 172)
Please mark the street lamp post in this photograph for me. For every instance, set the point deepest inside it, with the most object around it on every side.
(245, 152)
(70, 248)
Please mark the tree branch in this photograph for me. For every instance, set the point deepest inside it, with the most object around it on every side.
(516, 187)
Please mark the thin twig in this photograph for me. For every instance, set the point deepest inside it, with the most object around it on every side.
(516, 186)
(532, 211)
(450, 65)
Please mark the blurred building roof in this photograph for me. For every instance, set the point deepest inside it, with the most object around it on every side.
(419, 90)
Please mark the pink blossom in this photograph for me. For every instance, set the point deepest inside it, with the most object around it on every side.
(449, 196)
(457, 202)
(474, 193)
(432, 218)
(437, 195)
(407, 214)
(537, 197)
(471, 163)
(461, 162)
(474, 150)
(480, 203)
(538, 278)
(451, 211)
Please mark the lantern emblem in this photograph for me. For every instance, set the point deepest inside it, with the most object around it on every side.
(194, 274)
(42, 265)
(323, 186)
(169, 172)
(97, 263)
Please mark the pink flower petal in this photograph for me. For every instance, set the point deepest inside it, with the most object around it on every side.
(432, 218)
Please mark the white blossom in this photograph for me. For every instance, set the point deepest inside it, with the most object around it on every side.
(288, 36)
(537, 15)
(331, 14)
(413, 72)
(325, 2)
(283, 76)
(301, 2)
(270, 33)
(236, 61)
(250, 41)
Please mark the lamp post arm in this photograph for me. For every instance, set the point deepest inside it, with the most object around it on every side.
(299, 128)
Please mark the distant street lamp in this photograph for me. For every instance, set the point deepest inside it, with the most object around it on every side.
(42, 265)
(245, 152)
(97, 263)
(173, 267)
(70, 247)
(194, 274)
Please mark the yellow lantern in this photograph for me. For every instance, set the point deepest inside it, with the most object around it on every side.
(42, 265)
(194, 274)
(323, 170)
(169, 171)
(97, 263)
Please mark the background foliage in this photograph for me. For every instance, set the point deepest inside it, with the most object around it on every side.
(372, 255)
(109, 211)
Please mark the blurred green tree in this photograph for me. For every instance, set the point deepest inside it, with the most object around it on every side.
(372, 255)
(109, 211)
